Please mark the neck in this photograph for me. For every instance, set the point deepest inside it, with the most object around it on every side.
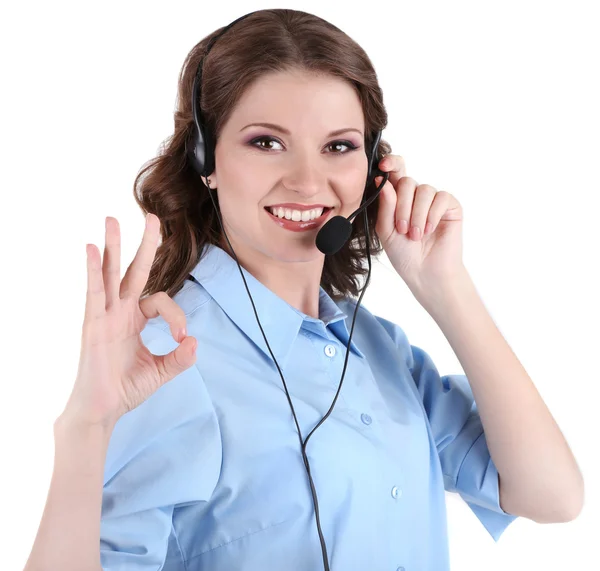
(296, 282)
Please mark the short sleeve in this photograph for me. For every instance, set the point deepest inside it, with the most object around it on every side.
(465, 460)
(164, 453)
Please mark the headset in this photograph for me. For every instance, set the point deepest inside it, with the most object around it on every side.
(329, 240)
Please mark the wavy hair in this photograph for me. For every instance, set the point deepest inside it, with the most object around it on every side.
(169, 187)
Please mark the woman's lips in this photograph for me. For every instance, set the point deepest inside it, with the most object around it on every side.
(299, 226)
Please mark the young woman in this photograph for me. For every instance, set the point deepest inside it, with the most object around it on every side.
(254, 416)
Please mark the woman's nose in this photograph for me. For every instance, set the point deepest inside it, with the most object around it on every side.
(304, 175)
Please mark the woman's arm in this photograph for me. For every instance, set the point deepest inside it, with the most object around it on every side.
(69, 534)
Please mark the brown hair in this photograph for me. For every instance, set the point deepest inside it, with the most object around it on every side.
(264, 42)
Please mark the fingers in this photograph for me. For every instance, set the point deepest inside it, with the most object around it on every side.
(111, 269)
(182, 357)
(395, 166)
(419, 207)
(95, 299)
(414, 203)
(175, 362)
(137, 273)
(161, 304)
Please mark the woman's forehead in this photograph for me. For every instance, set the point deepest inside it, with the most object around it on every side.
(288, 99)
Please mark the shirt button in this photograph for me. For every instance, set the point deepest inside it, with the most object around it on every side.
(396, 492)
(366, 418)
(400, 569)
(329, 350)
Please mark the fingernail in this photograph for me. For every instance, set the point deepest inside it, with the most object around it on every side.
(182, 334)
(403, 227)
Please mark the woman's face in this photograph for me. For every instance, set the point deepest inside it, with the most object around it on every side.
(259, 167)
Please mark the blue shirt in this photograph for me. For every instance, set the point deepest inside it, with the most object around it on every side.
(207, 473)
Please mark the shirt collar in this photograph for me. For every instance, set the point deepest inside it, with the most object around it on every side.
(218, 273)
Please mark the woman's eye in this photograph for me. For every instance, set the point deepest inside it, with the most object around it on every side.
(349, 146)
(263, 140)
(346, 144)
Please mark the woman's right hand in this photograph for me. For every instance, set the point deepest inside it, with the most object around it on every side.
(116, 371)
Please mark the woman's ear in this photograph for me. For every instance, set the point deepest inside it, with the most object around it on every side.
(212, 181)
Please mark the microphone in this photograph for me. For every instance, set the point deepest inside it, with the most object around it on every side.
(336, 232)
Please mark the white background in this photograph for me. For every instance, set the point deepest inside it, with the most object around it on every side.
(496, 103)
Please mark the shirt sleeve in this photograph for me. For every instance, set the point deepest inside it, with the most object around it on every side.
(165, 452)
(466, 464)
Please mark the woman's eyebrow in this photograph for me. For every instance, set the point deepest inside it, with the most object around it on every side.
(286, 132)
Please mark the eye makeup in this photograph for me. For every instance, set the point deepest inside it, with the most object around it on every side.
(350, 146)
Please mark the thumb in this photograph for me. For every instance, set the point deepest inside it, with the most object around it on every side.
(386, 216)
(177, 361)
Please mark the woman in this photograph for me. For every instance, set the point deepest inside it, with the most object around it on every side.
(177, 448)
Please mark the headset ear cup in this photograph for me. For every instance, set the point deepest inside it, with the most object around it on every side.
(209, 157)
(373, 168)
(206, 151)
(200, 150)
(195, 152)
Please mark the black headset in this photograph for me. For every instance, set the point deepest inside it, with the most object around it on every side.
(329, 240)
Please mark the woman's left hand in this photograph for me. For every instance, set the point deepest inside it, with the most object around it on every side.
(426, 253)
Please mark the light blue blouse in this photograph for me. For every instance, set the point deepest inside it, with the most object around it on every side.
(207, 474)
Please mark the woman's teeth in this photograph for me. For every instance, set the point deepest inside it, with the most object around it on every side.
(296, 215)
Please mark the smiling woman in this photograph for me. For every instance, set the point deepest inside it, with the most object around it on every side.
(290, 128)
(176, 453)
(301, 169)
